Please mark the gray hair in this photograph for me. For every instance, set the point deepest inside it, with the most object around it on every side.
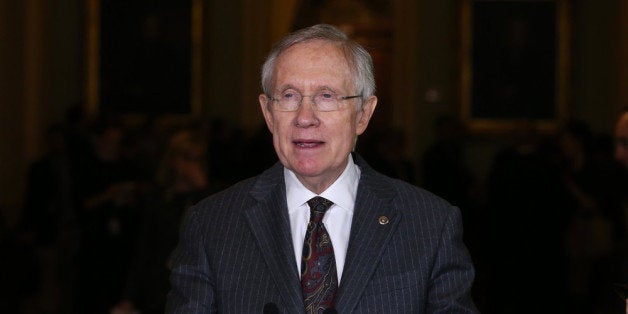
(360, 61)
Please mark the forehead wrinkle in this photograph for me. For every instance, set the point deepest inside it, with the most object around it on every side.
(315, 85)
(316, 89)
(314, 55)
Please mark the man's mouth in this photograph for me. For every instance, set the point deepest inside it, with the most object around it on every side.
(308, 144)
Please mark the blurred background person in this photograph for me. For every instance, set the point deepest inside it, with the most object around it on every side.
(447, 174)
(39, 249)
(593, 185)
(445, 171)
(525, 222)
(109, 194)
(621, 155)
(180, 182)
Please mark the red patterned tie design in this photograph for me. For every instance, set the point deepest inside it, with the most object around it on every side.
(319, 280)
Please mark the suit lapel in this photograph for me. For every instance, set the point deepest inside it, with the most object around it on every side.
(270, 225)
(369, 236)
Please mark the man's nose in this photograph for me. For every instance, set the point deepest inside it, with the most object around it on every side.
(306, 114)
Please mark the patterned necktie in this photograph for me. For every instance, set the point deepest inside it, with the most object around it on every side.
(319, 280)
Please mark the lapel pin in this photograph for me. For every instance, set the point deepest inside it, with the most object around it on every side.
(383, 220)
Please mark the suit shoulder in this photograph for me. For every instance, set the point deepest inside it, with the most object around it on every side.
(408, 191)
(230, 199)
(414, 200)
(243, 194)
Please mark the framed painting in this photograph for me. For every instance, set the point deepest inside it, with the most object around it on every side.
(515, 58)
(144, 57)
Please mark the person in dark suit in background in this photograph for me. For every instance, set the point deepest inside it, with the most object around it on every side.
(181, 181)
(395, 248)
(621, 155)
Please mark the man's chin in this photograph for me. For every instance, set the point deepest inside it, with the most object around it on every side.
(307, 172)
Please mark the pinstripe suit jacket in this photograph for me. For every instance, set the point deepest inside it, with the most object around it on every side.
(235, 252)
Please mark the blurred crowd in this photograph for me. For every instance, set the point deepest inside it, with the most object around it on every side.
(546, 228)
(102, 209)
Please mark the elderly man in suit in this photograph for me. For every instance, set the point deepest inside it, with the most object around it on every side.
(382, 246)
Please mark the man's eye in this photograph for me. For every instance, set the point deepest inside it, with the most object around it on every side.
(288, 95)
(327, 96)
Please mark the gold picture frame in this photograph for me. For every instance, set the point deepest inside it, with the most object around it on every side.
(95, 50)
(514, 63)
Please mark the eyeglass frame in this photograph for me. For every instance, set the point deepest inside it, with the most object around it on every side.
(313, 100)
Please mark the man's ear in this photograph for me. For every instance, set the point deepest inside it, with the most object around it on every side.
(365, 114)
(268, 116)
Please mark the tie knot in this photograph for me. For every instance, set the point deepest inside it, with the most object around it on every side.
(318, 207)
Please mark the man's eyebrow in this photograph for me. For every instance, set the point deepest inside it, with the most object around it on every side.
(287, 86)
(326, 88)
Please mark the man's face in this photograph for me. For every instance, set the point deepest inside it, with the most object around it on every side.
(621, 137)
(315, 145)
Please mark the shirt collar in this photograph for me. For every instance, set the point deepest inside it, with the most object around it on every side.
(342, 192)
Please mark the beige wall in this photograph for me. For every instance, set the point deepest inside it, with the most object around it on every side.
(12, 136)
(598, 61)
(622, 52)
(40, 76)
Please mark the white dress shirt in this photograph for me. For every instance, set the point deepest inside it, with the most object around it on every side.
(337, 219)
